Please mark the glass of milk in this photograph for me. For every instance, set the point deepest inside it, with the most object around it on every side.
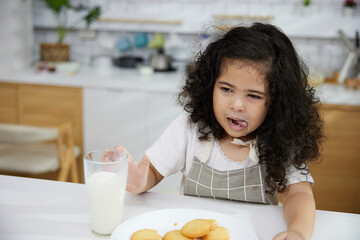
(106, 178)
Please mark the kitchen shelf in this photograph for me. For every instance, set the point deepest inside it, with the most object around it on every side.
(140, 21)
(295, 22)
(326, 27)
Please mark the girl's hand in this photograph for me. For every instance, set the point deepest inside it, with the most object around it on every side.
(289, 235)
(137, 172)
(110, 156)
(137, 175)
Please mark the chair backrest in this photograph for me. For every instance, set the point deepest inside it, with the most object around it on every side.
(14, 133)
(23, 135)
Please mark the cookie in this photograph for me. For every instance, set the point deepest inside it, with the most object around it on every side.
(198, 228)
(176, 235)
(146, 234)
(219, 233)
(213, 223)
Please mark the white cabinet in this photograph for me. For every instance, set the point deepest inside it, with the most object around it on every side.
(131, 118)
(114, 117)
(161, 111)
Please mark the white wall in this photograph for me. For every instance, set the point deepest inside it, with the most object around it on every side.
(16, 37)
(314, 31)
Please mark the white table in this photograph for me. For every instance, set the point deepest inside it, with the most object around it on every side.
(32, 209)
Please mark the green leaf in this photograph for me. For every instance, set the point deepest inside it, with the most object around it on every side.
(57, 5)
(92, 16)
(307, 2)
(61, 9)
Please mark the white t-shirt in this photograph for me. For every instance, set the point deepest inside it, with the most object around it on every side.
(175, 149)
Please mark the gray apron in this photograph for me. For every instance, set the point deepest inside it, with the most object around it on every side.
(245, 184)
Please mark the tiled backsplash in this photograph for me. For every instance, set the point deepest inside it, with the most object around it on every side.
(324, 53)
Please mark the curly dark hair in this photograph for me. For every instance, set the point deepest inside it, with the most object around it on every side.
(292, 130)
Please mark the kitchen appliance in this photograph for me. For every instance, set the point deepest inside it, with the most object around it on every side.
(351, 67)
(127, 61)
(160, 61)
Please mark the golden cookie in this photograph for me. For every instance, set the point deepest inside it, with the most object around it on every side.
(213, 223)
(175, 235)
(197, 228)
(219, 233)
(146, 234)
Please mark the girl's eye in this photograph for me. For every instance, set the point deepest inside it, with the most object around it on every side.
(225, 89)
(254, 96)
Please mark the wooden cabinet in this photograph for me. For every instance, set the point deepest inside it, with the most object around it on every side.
(50, 105)
(9, 103)
(41, 105)
(337, 175)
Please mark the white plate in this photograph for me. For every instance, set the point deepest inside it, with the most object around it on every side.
(171, 219)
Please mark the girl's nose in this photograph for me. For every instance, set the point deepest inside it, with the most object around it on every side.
(238, 104)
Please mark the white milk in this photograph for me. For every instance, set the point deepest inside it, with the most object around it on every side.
(106, 193)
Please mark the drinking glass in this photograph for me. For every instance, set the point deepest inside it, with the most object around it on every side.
(106, 179)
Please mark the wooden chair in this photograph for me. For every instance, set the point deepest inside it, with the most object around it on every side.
(30, 150)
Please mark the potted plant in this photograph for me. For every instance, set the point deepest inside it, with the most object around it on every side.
(55, 52)
(307, 9)
(349, 7)
(306, 3)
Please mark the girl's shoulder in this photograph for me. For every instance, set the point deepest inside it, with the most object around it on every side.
(183, 125)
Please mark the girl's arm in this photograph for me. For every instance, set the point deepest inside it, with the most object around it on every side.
(299, 212)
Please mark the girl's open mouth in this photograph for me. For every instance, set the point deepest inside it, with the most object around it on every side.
(237, 124)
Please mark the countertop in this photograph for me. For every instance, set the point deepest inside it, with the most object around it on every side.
(338, 94)
(41, 209)
(89, 77)
(130, 79)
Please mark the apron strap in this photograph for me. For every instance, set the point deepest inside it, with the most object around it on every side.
(253, 153)
(206, 150)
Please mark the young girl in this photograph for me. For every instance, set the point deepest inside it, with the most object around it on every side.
(249, 127)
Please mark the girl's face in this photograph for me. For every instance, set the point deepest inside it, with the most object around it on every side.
(239, 98)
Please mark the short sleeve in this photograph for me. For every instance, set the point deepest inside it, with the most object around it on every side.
(294, 175)
(167, 154)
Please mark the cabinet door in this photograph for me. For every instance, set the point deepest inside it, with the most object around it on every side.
(161, 111)
(337, 176)
(115, 117)
(51, 105)
(8, 103)
(129, 118)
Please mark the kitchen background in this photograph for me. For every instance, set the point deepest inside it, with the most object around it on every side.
(108, 105)
(313, 29)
